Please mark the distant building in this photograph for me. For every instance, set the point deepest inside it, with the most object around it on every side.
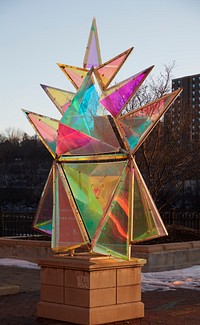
(184, 115)
(183, 120)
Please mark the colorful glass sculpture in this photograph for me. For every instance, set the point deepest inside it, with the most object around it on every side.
(95, 195)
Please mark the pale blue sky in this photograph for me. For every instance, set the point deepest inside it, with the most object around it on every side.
(35, 35)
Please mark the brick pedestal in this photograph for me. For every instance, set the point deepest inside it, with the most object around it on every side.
(90, 289)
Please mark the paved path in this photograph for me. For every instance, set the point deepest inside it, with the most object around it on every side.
(180, 306)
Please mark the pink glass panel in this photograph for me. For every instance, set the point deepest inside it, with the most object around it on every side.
(71, 141)
(107, 71)
(46, 128)
(147, 222)
(66, 232)
(76, 75)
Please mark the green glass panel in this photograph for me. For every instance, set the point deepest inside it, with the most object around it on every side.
(43, 217)
(92, 186)
(143, 225)
(137, 124)
(147, 222)
(112, 237)
(81, 116)
(81, 112)
(134, 128)
(89, 207)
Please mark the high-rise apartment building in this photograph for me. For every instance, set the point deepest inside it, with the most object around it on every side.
(184, 115)
(183, 121)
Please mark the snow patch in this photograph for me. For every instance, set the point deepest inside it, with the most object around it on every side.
(188, 278)
(18, 263)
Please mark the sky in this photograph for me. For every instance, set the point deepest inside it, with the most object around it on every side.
(36, 35)
(187, 278)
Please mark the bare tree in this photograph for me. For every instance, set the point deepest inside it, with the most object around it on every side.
(164, 160)
(13, 135)
(152, 88)
(166, 165)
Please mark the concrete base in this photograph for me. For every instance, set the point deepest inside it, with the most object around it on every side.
(160, 257)
(90, 289)
(29, 250)
(171, 256)
(8, 289)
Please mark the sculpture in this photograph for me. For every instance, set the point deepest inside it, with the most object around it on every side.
(95, 194)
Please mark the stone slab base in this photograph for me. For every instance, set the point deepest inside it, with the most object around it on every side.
(87, 289)
(96, 315)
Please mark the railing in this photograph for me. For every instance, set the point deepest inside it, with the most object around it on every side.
(16, 223)
(189, 219)
(20, 223)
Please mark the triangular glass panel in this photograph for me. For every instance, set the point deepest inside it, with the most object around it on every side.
(43, 217)
(113, 233)
(80, 114)
(46, 128)
(115, 98)
(106, 130)
(92, 54)
(107, 71)
(61, 98)
(137, 124)
(75, 74)
(92, 186)
(74, 142)
(68, 231)
(147, 223)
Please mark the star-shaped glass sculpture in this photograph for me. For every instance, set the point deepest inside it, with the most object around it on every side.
(95, 195)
